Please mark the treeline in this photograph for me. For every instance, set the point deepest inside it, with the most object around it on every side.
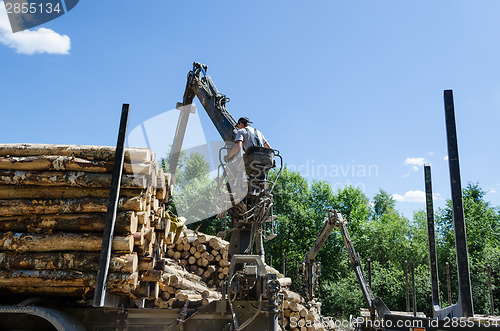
(383, 235)
(378, 231)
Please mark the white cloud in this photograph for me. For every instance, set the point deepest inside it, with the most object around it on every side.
(437, 196)
(431, 153)
(410, 196)
(30, 42)
(445, 158)
(415, 161)
(415, 196)
(492, 190)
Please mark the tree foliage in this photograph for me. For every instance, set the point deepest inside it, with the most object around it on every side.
(379, 233)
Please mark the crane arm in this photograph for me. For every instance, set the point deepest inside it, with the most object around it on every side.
(201, 85)
(335, 219)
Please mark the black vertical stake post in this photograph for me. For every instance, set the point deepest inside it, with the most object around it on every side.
(407, 290)
(448, 282)
(432, 239)
(492, 303)
(369, 273)
(464, 283)
(413, 289)
(107, 238)
(283, 263)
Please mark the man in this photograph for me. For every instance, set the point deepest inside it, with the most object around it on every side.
(247, 137)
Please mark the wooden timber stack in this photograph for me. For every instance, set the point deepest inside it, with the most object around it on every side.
(53, 203)
(297, 315)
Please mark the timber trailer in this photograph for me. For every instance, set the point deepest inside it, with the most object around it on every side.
(250, 295)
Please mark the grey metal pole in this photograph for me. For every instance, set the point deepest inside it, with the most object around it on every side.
(272, 302)
(180, 131)
(414, 289)
(448, 282)
(369, 273)
(107, 238)
(407, 290)
(283, 263)
(492, 303)
(432, 239)
(464, 283)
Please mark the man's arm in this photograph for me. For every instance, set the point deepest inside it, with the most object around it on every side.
(266, 144)
(236, 148)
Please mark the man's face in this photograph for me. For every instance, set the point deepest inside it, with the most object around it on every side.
(241, 125)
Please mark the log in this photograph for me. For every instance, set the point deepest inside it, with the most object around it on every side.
(146, 263)
(189, 240)
(142, 291)
(74, 179)
(215, 243)
(186, 295)
(154, 292)
(106, 153)
(209, 294)
(61, 278)
(293, 297)
(285, 281)
(151, 276)
(205, 238)
(126, 263)
(70, 291)
(64, 206)
(126, 222)
(63, 192)
(179, 274)
(303, 312)
(69, 163)
(191, 260)
(23, 242)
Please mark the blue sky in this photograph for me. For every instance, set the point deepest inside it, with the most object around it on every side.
(334, 85)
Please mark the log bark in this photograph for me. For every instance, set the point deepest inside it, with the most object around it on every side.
(74, 179)
(293, 297)
(23, 242)
(151, 276)
(69, 163)
(106, 153)
(179, 273)
(126, 263)
(187, 295)
(60, 278)
(126, 222)
(146, 263)
(62, 192)
(65, 206)
(69, 291)
(285, 281)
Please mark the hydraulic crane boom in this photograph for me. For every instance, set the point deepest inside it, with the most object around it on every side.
(335, 219)
(201, 85)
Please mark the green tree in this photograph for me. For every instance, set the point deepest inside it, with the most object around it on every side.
(194, 192)
(483, 240)
(383, 203)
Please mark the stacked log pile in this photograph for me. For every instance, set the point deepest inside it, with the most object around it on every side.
(297, 315)
(53, 203)
(203, 255)
(195, 270)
